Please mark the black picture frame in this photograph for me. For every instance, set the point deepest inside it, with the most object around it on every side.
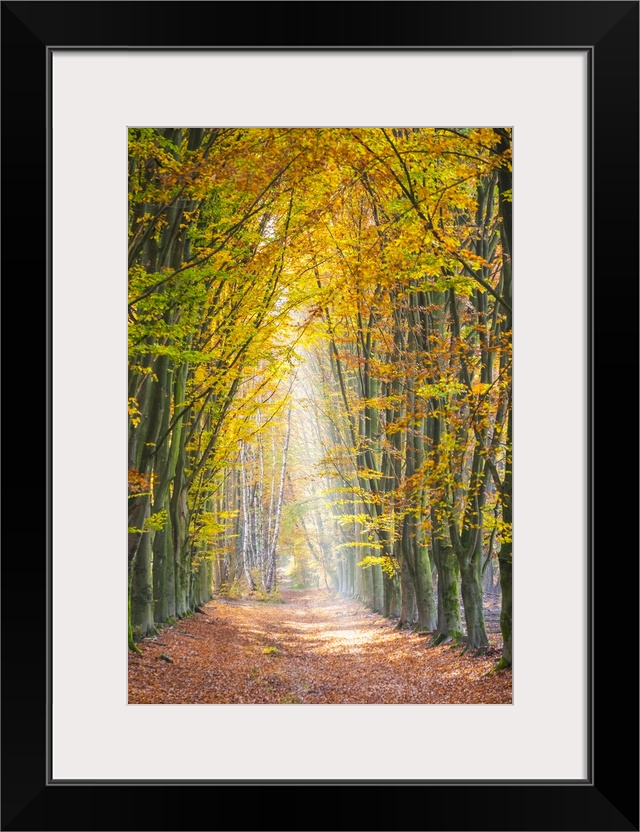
(608, 798)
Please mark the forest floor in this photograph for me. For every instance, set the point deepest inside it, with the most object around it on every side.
(313, 648)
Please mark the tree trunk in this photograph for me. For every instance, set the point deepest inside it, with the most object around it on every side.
(181, 548)
(471, 589)
(425, 598)
(449, 620)
(377, 588)
(392, 600)
(505, 180)
(408, 606)
(271, 570)
(141, 591)
(506, 557)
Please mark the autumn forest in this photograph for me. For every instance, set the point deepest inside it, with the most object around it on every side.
(320, 421)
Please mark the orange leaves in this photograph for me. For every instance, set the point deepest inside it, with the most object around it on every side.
(139, 483)
(312, 649)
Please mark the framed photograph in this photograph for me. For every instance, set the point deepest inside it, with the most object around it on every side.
(562, 80)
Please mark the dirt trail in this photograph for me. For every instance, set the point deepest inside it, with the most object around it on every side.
(314, 648)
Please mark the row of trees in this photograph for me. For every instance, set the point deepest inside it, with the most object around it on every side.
(320, 358)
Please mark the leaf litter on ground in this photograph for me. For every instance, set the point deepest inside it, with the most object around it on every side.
(315, 648)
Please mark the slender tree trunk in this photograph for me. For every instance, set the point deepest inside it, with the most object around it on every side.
(377, 588)
(271, 572)
(506, 559)
(392, 596)
(246, 527)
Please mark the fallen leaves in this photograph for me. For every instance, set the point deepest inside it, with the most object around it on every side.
(315, 648)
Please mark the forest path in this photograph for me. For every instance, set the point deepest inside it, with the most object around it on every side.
(313, 648)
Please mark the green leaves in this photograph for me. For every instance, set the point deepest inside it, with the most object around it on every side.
(445, 388)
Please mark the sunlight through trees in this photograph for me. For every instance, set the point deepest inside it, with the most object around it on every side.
(320, 371)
